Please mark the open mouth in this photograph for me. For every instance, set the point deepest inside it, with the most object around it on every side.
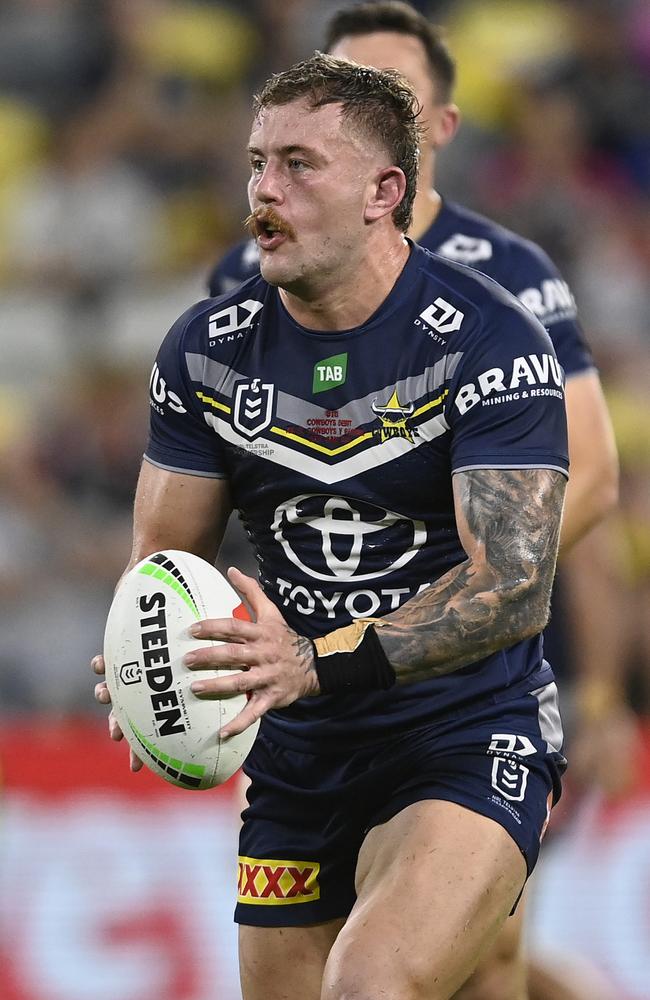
(271, 242)
(268, 230)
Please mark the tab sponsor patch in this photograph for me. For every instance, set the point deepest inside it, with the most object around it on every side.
(330, 372)
(270, 882)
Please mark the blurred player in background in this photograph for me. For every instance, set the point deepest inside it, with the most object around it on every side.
(395, 35)
(408, 755)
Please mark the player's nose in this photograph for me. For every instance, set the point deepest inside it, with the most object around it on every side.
(267, 186)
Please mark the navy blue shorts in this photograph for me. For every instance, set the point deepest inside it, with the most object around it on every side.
(308, 813)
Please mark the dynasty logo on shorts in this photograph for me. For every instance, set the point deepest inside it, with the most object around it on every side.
(269, 882)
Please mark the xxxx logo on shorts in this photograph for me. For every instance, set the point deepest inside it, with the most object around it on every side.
(269, 882)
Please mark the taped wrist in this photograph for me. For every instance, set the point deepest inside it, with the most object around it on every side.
(352, 659)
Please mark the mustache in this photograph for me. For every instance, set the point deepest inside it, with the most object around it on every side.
(256, 222)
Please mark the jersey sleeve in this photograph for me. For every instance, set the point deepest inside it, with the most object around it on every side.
(505, 406)
(180, 439)
(536, 282)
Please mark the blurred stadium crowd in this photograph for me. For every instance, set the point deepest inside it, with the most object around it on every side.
(122, 179)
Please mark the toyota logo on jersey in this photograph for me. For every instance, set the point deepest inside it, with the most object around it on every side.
(345, 539)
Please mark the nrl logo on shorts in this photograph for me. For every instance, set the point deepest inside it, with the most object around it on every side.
(393, 418)
(509, 776)
(253, 407)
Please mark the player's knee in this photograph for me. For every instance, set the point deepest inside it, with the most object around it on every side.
(501, 972)
(497, 977)
(354, 973)
(358, 987)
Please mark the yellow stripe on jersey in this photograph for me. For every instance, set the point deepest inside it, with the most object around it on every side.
(430, 406)
(324, 449)
(321, 447)
(213, 402)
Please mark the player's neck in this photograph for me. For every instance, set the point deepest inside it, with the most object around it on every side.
(426, 207)
(350, 299)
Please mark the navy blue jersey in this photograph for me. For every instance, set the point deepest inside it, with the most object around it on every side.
(339, 448)
(458, 234)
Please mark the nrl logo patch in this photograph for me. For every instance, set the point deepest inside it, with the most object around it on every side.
(253, 407)
(131, 673)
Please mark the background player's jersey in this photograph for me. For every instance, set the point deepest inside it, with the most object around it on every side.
(340, 448)
(458, 234)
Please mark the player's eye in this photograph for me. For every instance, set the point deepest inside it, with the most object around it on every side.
(257, 165)
(297, 164)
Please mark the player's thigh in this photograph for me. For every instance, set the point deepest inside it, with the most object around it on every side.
(502, 972)
(435, 884)
(284, 963)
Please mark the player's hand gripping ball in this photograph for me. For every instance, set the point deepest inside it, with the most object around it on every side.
(166, 725)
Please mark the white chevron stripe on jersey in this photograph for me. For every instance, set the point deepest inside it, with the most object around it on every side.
(323, 472)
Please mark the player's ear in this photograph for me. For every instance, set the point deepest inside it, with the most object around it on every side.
(386, 192)
(442, 125)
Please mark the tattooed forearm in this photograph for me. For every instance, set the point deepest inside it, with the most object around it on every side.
(509, 524)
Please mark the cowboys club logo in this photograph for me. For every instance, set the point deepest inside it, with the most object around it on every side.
(393, 417)
(344, 539)
(253, 407)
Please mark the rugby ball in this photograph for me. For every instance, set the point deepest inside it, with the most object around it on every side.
(171, 730)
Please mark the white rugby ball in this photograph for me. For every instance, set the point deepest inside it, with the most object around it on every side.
(169, 728)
